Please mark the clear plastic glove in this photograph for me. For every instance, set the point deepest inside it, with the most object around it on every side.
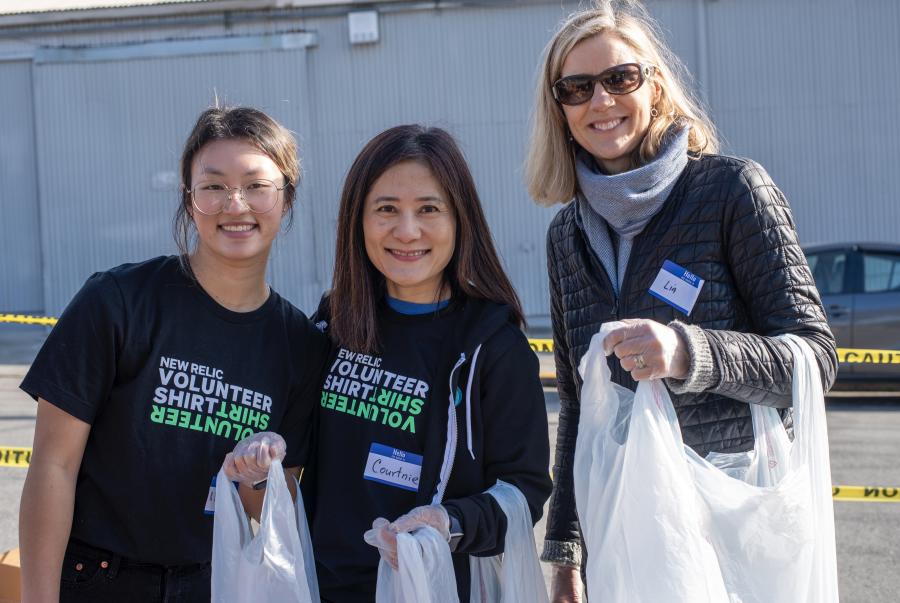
(383, 534)
(434, 516)
(384, 539)
(249, 462)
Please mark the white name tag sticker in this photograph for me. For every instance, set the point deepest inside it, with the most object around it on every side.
(393, 467)
(677, 287)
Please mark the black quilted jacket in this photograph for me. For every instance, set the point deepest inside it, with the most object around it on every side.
(726, 222)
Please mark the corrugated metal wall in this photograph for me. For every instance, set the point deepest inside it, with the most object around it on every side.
(20, 241)
(806, 87)
(450, 69)
(109, 185)
(810, 89)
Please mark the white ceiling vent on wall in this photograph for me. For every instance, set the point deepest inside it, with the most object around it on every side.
(363, 27)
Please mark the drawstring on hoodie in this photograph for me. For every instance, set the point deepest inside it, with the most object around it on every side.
(469, 403)
(450, 449)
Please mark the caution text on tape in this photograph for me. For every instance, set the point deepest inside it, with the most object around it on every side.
(856, 356)
(541, 345)
(866, 493)
(14, 457)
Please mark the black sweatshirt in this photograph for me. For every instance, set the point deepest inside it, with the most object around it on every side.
(402, 403)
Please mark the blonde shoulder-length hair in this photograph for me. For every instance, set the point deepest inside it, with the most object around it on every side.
(550, 164)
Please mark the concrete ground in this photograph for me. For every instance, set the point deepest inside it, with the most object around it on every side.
(865, 448)
(20, 343)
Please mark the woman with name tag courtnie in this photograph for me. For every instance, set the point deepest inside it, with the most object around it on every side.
(433, 393)
(152, 374)
(696, 252)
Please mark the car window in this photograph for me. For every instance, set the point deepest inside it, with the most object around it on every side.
(881, 272)
(828, 271)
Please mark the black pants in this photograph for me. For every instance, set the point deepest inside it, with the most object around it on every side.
(92, 575)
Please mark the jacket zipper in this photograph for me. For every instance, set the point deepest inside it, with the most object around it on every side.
(452, 436)
(603, 277)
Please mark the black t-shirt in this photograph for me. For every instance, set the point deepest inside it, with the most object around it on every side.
(371, 436)
(169, 381)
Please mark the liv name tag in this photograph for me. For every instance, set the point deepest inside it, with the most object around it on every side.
(393, 467)
(677, 287)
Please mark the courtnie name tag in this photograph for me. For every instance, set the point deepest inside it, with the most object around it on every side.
(393, 467)
(677, 287)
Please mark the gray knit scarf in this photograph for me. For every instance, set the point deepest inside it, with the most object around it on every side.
(623, 204)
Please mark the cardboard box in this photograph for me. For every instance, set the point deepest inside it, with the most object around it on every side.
(10, 584)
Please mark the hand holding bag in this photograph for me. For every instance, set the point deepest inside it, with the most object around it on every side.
(425, 569)
(662, 524)
(424, 573)
(274, 565)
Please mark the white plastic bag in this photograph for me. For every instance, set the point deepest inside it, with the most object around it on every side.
(762, 466)
(515, 576)
(662, 524)
(425, 572)
(274, 565)
(308, 568)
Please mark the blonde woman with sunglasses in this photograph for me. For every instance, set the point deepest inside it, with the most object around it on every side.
(620, 141)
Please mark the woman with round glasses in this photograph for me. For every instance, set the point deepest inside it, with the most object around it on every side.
(153, 373)
(696, 252)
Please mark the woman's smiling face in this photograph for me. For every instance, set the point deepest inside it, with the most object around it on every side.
(609, 127)
(410, 231)
(236, 234)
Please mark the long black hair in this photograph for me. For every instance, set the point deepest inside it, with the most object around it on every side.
(474, 269)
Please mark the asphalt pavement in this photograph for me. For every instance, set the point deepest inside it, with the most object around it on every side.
(865, 450)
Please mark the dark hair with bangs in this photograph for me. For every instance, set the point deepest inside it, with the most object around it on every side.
(474, 270)
(235, 123)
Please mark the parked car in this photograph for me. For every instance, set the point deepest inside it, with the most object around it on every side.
(860, 288)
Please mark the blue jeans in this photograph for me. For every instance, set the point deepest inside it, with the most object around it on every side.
(92, 575)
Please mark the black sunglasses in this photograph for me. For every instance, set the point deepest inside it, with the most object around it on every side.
(621, 79)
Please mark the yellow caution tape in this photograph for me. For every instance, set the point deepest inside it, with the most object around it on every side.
(21, 457)
(854, 356)
(866, 493)
(851, 355)
(15, 457)
(541, 345)
(28, 320)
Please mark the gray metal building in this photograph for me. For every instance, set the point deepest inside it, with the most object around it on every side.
(97, 99)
